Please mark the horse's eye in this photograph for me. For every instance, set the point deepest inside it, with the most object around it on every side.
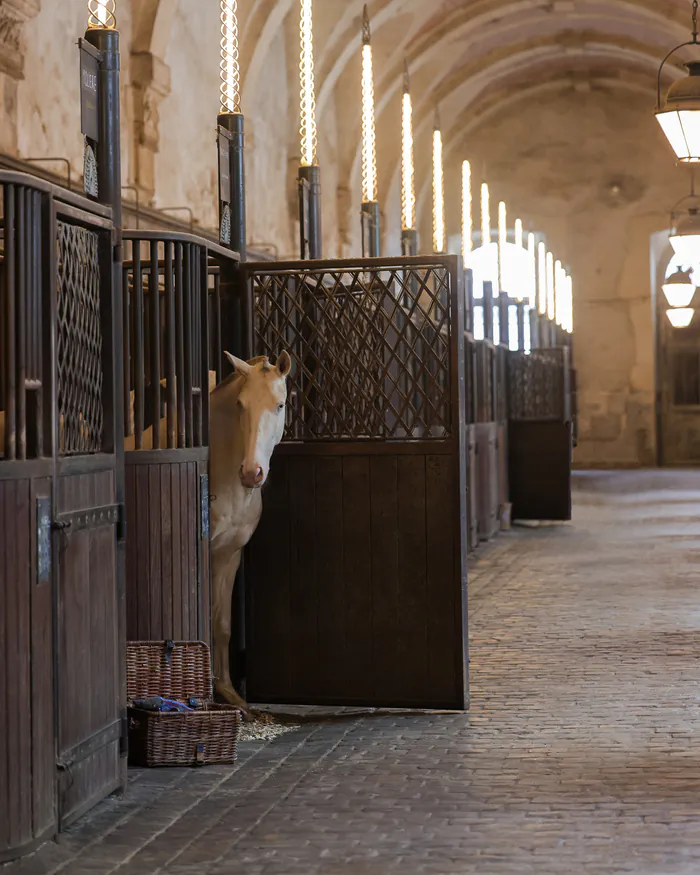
(280, 406)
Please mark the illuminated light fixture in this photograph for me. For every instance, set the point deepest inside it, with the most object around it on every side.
(532, 250)
(467, 206)
(679, 289)
(408, 191)
(102, 13)
(369, 136)
(679, 116)
(680, 317)
(542, 276)
(550, 286)
(230, 71)
(685, 227)
(559, 293)
(519, 233)
(485, 214)
(309, 136)
(568, 304)
(438, 190)
(502, 241)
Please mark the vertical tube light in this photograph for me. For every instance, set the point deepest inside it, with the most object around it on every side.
(438, 190)
(519, 233)
(542, 277)
(369, 137)
(467, 206)
(559, 292)
(408, 191)
(532, 251)
(569, 304)
(230, 71)
(550, 287)
(309, 136)
(502, 240)
(485, 214)
(102, 13)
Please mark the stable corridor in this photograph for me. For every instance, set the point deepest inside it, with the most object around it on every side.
(581, 752)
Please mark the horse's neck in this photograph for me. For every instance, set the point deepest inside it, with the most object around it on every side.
(226, 444)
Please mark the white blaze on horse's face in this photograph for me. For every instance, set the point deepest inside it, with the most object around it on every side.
(260, 415)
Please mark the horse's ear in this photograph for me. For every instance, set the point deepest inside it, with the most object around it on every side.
(239, 366)
(284, 363)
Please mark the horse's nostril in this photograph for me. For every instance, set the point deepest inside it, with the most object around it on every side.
(259, 475)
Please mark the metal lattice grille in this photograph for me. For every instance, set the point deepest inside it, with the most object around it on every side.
(79, 341)
(371, 347)
(536, 386)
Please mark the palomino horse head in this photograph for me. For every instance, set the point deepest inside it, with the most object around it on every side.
(260, 413)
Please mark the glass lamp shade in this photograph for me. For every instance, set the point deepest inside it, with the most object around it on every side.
(685, 237)
(680, 317)
(680, 116)
(679, 289)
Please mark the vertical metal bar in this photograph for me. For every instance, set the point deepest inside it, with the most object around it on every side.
(127, 370)
(312, 175)
(187, 324)
(170, 362)
(139, 364)
(197, 370)
(11, 327)
(219, 351)
(39, 375)
(503, 320)
(180, 343)
(204, 346)
(21, 323)
(154, 351)
(488, 310)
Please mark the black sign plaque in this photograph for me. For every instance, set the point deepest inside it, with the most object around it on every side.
(89, 72)
(224, 166)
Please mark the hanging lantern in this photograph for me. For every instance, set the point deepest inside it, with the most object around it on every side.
(408, 193)
(685, 233)
(467, 220)
(102, 13)
(679, 116)
(307, 89)
(679, 289)
(680, 317)
(438, 190)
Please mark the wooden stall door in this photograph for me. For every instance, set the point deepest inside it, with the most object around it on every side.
(355, 579)
(540, 439)
(86, 514)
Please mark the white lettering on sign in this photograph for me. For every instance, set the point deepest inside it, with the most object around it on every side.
(90, 80)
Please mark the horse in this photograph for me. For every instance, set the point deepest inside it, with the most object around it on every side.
(247, 417)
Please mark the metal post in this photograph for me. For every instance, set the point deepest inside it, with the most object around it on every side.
(311, 243)
(503, 320)
(469, 298)
(488, 310)
(535, 339)
(409, 242)
(108, 159)
(234, 124)
(371, 230)
(521, 325)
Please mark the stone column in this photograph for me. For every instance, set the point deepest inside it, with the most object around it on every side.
(150, 80)
(13, 15)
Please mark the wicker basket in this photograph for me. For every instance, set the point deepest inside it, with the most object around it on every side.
(179, 670)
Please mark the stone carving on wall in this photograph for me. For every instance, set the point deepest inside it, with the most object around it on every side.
(13, 14)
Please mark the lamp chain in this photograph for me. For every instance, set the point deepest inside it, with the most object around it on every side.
(695, 21)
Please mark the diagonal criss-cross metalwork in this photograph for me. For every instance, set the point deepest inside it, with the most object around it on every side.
(79, 341)
(536, 385)
(371, 346)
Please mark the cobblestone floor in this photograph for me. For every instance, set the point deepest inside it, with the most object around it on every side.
(579, 755)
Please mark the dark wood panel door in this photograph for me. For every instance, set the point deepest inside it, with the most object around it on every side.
(487, 479)
(354, 582)
(540, 470)
(168, 590)
(87, 647)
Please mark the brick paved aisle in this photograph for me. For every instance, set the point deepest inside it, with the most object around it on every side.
(579, 754)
